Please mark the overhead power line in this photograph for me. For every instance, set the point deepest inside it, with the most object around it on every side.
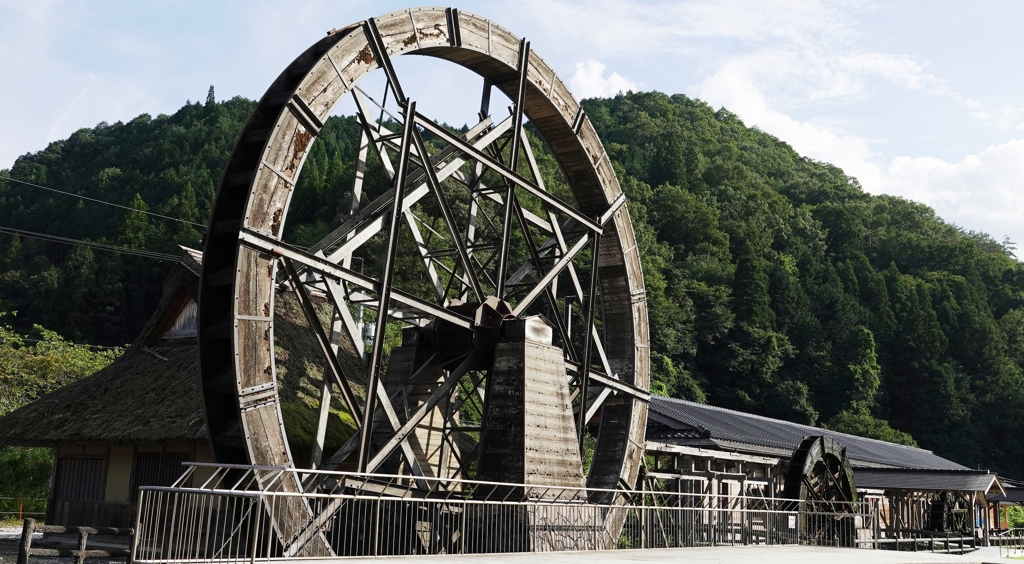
(28, 340)
(199, 225)
(92, 244)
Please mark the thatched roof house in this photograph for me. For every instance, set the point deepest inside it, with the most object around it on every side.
(149, 395)
(129, 424)
(136, 421)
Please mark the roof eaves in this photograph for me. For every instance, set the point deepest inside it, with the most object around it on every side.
(811, 430)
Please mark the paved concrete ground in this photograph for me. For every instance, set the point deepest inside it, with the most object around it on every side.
(711, 555)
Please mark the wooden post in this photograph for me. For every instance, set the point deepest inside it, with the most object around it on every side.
(27, 530)
(83, 539)
(987, 524)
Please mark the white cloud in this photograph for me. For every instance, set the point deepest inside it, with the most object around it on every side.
(589, 81)
(1010, 116)
(798, 51)
(767, 61)
(742, 97)
(1007, 117)
(983, 192)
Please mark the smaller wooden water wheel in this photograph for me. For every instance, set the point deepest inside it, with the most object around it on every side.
(821, 479)
(950, 513)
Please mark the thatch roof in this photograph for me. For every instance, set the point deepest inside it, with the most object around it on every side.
(150, 395)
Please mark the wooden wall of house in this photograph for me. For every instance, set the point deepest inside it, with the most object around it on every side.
(95, 485)
(119, 474)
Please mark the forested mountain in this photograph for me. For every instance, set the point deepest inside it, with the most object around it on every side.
(167, 165)
(776, 285)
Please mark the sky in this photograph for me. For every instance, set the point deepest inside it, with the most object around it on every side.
(923, 100)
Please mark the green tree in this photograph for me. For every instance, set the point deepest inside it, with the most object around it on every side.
(184, 206)
(862, 370)
(668, 380)
(134, 229)
(29, 369)
(10, 256)
(864, 425)
(24, 480)
(76, 286)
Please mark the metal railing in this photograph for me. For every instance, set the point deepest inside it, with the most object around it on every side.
(236, 513)
(1010, 542)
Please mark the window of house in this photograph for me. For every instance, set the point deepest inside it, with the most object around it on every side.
(80, 479)
(184, 324)
(157, 469)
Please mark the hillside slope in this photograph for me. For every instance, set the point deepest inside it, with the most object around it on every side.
(777, 285)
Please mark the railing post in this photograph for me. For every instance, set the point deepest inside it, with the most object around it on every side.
(462, 529)
(643, 521)
(27, 530)
(132, 550)
(255, 527)
(747, 528)
(376, 529)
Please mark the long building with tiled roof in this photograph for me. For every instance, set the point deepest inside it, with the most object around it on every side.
(681, 422)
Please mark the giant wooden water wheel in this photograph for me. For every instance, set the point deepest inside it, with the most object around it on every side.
(500, 375)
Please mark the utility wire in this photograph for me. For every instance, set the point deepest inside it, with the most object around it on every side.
(100, 246)
(199, 225)
(28, 340)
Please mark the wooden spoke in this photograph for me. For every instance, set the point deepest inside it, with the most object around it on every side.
(517, 113)
(506, 172)
(540, 287)
(337, 272)
(414, 420)
(337, 371)
(375, 214)
(449, 218)
(588, 346)
(380, 54)
(342, 328)
(385, 288)
(594, 404)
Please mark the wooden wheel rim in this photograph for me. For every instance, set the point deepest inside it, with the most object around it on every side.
(236, 290)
